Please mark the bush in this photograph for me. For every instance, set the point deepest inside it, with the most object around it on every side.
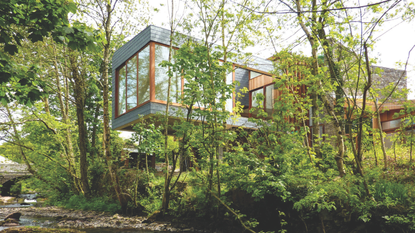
(95, 203)
(152, 197)
(393, 190)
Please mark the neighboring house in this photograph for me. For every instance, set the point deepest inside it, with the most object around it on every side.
(389, 117)
(140, 84)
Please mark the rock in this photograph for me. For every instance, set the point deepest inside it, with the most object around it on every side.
(9, 223)
(152, 217)
(15, 216)
(38, 229)
(7, 199)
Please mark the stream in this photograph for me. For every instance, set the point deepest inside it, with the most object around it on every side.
(88, 221)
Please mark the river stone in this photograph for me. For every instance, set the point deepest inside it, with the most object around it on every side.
(9, 223)
(15, 216)
(7, 199)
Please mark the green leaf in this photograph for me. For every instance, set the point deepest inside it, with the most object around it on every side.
(68, 30)
(10, 48)
(72, 7)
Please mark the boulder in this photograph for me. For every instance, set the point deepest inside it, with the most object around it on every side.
(13, 216)
(9, 223)
(7, 199)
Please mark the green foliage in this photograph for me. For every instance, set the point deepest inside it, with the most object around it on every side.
(152, 194)
(149, 138)
(34, 20)
(16, 189)
(391, 190)
(95, 204)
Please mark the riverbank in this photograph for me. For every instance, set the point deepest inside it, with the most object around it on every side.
(91, 219)
(39, 230)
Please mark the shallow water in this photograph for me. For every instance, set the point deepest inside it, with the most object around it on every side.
(15, 205)
(22, 198)
(51, 223)
(36, 221)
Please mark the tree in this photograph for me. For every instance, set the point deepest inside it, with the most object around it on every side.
(106, 15)
(39, 19)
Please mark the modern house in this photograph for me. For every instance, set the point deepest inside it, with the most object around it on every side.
(140, 84)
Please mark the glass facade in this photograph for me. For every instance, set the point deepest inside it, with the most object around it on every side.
(144, 75)
(121, 91)
(142, 78)
(268, 101)
(255, 101)
(134, 81)
(269, 97)
(254, 74)
(162, 78)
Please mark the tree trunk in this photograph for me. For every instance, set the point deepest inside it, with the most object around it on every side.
(79, 89)
(16, 137)
(105, 94)
(64, 107)
(382, 142)
(167, 178)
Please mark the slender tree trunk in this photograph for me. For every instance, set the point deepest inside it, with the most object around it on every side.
(46, 102)
(79, 89)
(412, 137)
(374, 150)
(105, 96)
(167, 178)
(93, 150)
(382, 142)
(64, 108)
(315, 133)
(16, 137)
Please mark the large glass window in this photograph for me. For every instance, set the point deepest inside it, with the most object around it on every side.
(269, 97)
(254, 74)
(176, 87)
(162, 78)
(121, 90)
(268, 100)
(391, 124)
(256, 97)
(144, 75)
(134, 81)
(229, 104)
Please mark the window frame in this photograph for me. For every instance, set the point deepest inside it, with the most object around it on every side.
(117, 84)
(264, 93)
(151, 77)
(154, 76)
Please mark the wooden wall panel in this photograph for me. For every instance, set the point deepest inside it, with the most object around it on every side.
(260, 81)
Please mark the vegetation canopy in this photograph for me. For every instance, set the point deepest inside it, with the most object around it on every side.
(326, 143)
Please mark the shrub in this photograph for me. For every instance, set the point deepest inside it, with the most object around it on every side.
(95, 203)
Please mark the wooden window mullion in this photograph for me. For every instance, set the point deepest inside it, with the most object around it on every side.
(126, 86)
(152, 71)
(117, 91)
(137, 78)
